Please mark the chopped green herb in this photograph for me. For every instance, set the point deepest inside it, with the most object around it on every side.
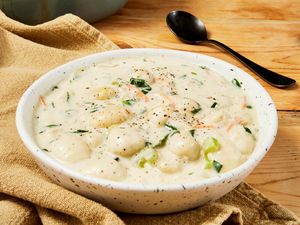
(191, 173)
(41, 132)
(68, 96)
(248, 130)
(214, 105)
(218, 166)
(192, 132)
(80, 131)
(173, 93)
(203, 67)
(199, 83)
(237, 83)
(129, 101)
(52, 103)
(141, 83)
(68, 111)
(148, 143)
(173, 130)
(54, 87)
(170, 127)
(194, 73)
(46, 150)
(93, 110)
(248, 106)
(53, 140)
(161, 142)
(196, 110)
(53, 125)
(147, 156)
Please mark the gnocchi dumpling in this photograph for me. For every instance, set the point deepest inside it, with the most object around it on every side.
(95, 138)
(124, 141)
(70, 149)
(110, 115)
(187, 105)
(214, 116)
(105, 167)
(104, 93)
(183, 144)
(169, 162)
(143, 74)
(159, 115)
(243, 141)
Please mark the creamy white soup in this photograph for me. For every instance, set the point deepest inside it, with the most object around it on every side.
(147, 120)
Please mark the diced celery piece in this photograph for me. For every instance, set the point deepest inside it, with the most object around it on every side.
(147, 156)
(210, 145)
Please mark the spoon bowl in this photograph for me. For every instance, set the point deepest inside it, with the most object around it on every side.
(189, 29)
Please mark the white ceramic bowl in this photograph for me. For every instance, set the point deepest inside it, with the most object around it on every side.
(155, 198)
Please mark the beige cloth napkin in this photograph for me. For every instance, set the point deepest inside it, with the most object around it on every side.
(27, 196)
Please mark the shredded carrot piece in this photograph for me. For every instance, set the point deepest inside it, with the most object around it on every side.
(244, 102)
(130, 86)
(138, 93)
(42, 100)
(230, 126)
(168, 99)
(142, 96)
(238, 119)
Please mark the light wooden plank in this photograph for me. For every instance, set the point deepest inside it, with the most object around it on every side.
(278, 175)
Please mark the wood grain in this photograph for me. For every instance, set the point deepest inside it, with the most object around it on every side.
(278, 175)
(267, 32)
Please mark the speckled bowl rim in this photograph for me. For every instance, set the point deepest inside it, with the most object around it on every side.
(248, 165)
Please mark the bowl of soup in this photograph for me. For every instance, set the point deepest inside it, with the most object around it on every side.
(147, 130)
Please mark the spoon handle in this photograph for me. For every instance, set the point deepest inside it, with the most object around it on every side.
(269, 76)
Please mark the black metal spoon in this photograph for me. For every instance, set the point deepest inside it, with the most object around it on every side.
(190, 29)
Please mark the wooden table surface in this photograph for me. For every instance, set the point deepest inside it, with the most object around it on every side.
(267, 32)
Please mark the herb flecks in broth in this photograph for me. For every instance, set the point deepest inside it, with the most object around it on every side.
(147, 120)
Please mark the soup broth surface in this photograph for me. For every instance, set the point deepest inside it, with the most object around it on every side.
(147, 120)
